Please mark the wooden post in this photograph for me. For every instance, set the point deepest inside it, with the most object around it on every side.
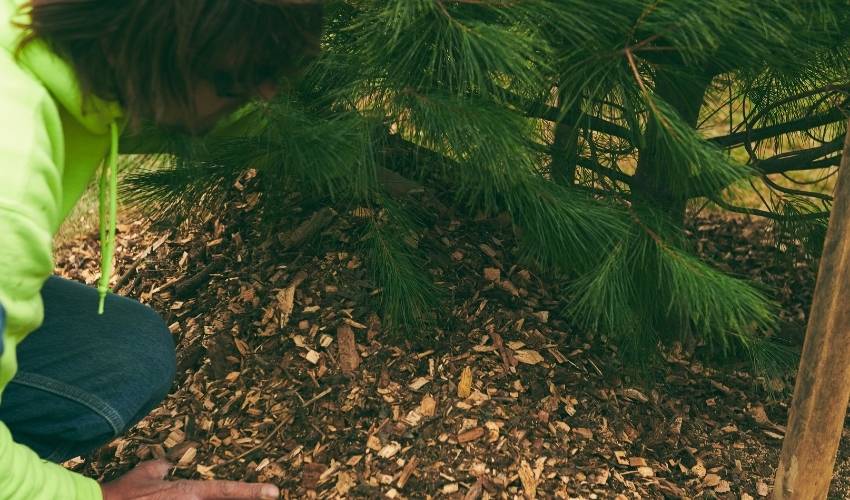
(821, 393)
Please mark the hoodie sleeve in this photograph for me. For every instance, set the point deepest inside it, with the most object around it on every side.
(31, 159)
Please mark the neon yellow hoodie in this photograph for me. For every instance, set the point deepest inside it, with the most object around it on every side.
(50, 148)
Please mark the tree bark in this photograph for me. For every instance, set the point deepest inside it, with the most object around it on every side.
(822, 390)
(651, 182)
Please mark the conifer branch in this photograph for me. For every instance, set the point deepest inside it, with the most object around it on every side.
(836, 115)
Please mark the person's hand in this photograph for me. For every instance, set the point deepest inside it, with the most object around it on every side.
(146, 482)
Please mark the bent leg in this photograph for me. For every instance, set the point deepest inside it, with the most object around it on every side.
(84, 379)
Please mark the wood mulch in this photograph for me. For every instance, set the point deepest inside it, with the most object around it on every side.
(285, 373)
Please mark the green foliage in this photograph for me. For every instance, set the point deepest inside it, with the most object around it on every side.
(593, 126)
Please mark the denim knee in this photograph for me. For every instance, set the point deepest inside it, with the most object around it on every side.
(158, 359)
(145, 365)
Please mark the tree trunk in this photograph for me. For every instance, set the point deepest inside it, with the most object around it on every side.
(822, 391)
(565, 147)
(652, 185)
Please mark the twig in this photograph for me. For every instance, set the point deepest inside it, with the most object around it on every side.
(125, 278)
(312, 226)
(316, 398)
(260, 446)
(189, 285)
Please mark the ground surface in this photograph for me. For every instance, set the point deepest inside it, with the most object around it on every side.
(286, 375)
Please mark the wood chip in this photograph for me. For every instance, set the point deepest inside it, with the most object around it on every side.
(311, 474)
(541, 316)
(645, 472)
(174, 438)
(188, 457)
(621, 458)
(493, 274)
(349, 358)
(602, 476)
(475, 491)
(584, 432)
(464, 386)
(419, 383)
(409, 467)
(529, 482)
(711, 480)
(488, 250)
(344, 483)
(529, 357)
(312, 356)
(373, 443)
(698, 470)
(470, 435)
(390, 450)
(428, 406)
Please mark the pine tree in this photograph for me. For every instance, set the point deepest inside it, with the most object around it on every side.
(593, 125)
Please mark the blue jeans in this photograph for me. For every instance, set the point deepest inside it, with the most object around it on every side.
(85, 379)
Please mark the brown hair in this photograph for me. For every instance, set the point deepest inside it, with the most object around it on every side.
(147, 54)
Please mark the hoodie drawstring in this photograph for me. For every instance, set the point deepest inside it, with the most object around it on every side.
(108, 212)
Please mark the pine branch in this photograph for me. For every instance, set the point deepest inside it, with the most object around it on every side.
(796, 192)
(555, 115)
(812, 216)
(605, 171)
(736, 139)
(805, 159)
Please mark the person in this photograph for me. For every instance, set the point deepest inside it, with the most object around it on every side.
(79, 366)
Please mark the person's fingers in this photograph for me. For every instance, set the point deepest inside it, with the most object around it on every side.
(152, 469)
(233, 490)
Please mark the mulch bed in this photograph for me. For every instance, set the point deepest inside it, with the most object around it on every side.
(285, 373)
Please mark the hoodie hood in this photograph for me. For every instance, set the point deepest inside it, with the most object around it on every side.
(57, 76)
(95, 119)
